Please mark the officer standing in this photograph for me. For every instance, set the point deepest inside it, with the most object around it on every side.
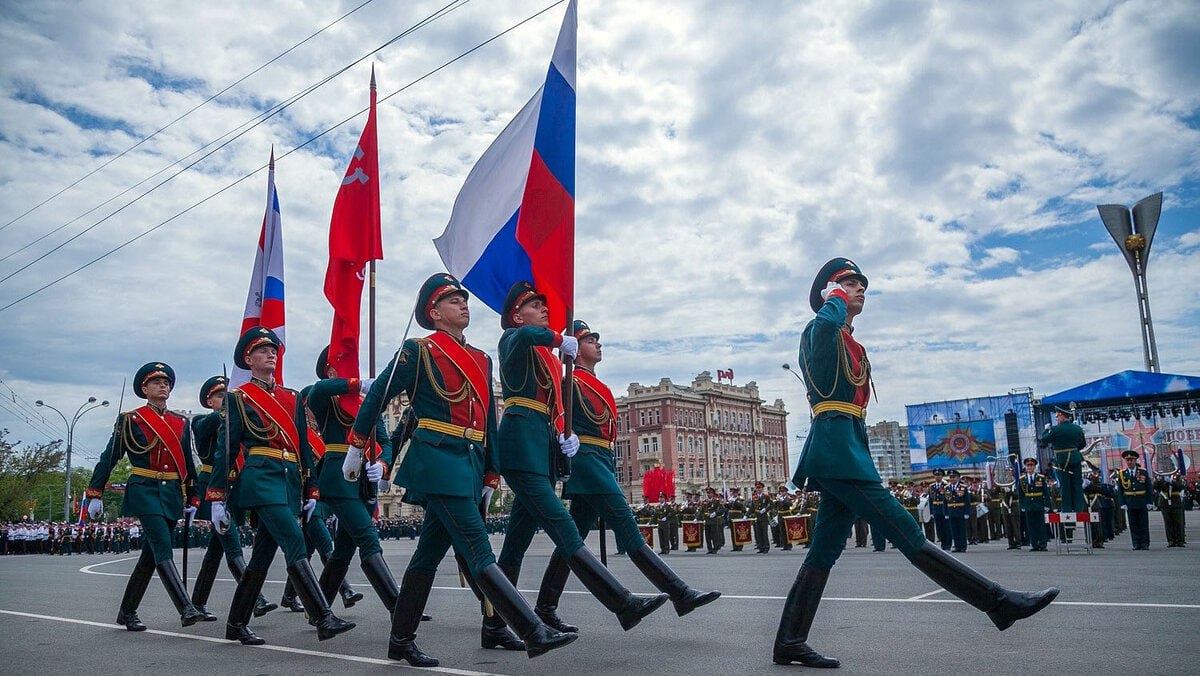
(450, 470)
(714, 520)
(204, 430)
(662, 516)
(836, 458)
(1135, 494)
(735, 510)
(1170, 504)
(937, 508)
(1067, 440)
(1035, 504)
(259, 465)
(958, 510)
(162, 480)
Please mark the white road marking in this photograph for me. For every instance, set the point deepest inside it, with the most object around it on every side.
(918, 597)
(276, 648)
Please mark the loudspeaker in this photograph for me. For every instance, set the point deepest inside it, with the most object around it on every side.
(1013, 433)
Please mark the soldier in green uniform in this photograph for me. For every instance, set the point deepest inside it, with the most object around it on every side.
(836, 458)
(450, 469)
(760, 509)
(204, 432)
(1067, 440)
(158, 444)
(690, 512)
(594, 492)
(1035, 504)
(345, 480)
(735, 510)
(784, 507)
(662, 516)
(531, 377)
(1135, 494)
(958, 509)
(259, 465)
(714, 520)
(1169, 502)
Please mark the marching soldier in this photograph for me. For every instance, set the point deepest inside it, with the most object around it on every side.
(204, 431)
(1035, 504)
(958, 510)
(1067, 440)
(1170, 504)
(158, 444)
(837, 460)
(714, 520)
(450, 469)
(345, 480)
(594, 492)
(259, 465)
(531, 377)
(1135, 493)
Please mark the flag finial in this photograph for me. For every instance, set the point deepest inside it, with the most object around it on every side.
(271, 164)
(372, 76)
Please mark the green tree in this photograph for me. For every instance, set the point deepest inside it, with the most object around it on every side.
(23, 471)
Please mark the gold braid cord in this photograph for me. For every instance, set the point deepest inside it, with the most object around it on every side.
(599, 419)
(843, 366)
(129, 440)
(458, 396)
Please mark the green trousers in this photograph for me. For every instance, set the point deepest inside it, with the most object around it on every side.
(587, 507)
(278, 528)
(536, 504)
(156, 540)
(841, 501)
(356, 528)
(452, 521)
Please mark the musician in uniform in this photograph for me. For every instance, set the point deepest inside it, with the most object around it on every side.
(937, 508)
(1010, 508)
(784, 507)
(260, 465)
(451, 470)
(1067, 440)
(761, 509)
(1169, 502)
(688, 513)
(531, 378)
(1093, 491)
(735, 509)
(204, 431)
(594, 492)
(714, 520)
(1034, 492)
(958, 510)
(348, 482)
(837, 460)
(662, 515)
(158, 443)
(1135, 494)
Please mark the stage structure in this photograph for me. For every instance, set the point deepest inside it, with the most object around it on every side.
(965, 434)
(1155, 414)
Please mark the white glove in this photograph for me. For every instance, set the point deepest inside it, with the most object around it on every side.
(570, 346)
(308, 507)
(364, 384)
(1047, 427)
(189, 513)
(375, 471)
(569, 445)
(830, 288)
(220, 520)
(95, 509)
(383, 486)
(352, 464)
(333, 522)
(485, 498)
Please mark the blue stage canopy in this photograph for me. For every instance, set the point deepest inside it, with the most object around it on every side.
(1141, 386)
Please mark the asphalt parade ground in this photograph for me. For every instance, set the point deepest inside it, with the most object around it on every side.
(1120, 611)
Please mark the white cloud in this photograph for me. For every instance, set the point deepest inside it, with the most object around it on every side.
(724, 152)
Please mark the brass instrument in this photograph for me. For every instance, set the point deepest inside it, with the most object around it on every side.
(1164, 461)
(1002, 473)
(1091, 452)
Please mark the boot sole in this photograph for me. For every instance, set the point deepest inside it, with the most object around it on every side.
(1045, 601)
(568, 639)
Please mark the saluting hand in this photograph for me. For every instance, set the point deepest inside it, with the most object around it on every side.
(830, 288)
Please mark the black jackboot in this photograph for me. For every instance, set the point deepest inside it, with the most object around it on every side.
(1002, 606)
(289, 599)
(406, 616)
(495, 634)
(553, 582)
(328, 625)
(684, 598)
(188, 615)
(338, 583)
(791, 640)
(135, 589)
(203, 586)
(237, 625)
(629, 609)
(261, 605)
(516, 613)
(380, 577)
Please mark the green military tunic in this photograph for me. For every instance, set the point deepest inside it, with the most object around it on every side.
(163, 470)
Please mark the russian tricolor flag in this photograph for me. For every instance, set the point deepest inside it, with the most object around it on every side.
(264, 300)
(514, 218)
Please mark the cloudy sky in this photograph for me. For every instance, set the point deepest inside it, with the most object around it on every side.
(956, 151)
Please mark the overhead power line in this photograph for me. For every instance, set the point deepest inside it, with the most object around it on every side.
(264, 166)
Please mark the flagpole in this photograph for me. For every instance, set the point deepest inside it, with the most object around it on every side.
(371, 321)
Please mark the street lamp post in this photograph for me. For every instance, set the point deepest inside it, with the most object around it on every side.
(89, 405)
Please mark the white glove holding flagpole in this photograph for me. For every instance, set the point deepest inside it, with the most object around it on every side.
(570, 346)
(569, 445)
(364, 384)
(352, 464)
(375, 471)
